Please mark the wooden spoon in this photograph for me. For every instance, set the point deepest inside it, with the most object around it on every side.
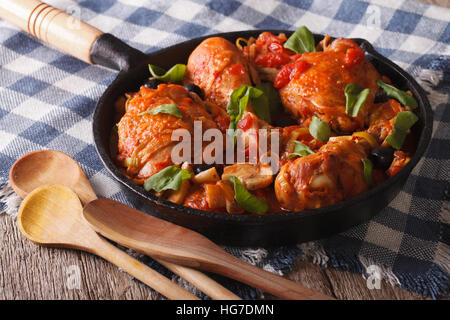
(165, 240)
(51, 216)
(47, 167)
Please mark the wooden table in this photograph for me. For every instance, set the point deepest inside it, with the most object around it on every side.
(31, 272)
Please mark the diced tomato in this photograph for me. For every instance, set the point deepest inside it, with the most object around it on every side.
(267, 38)
(289, 71)
(300, 67)
(237, 69)
(353, 56)
(284, 76)
(246, 122)
(275, 47)
(272, 60)
(270, 52)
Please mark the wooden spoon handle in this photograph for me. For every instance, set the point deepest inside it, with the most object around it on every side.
(52, 26)
(141, 272)
(232, 267)
(201, 281)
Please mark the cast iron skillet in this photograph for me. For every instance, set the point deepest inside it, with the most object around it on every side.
(91, 45)
(248, 230)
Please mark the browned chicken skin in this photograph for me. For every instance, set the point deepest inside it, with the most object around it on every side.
(319, 90)
(332, 174)
(145, 141)
(217, 67)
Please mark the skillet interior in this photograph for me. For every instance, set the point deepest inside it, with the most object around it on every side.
(262, 230)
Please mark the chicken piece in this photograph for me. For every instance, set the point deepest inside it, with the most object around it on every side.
(381, 119)
(145, 141)
(314, 85)
(332, 174)
(217, 67)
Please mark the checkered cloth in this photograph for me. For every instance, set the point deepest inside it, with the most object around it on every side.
(47, 98)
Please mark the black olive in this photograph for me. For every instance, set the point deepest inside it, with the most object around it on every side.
(382, 157)
(380, 97)
(283, 120)
(196, 89)
(152, 83)
(197, 168)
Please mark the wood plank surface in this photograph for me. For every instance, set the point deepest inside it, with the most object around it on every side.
(28, 271)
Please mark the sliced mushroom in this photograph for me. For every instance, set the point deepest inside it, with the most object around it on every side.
(207, 176)
(252, 176)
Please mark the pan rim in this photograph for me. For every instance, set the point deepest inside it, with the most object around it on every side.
(250, 219)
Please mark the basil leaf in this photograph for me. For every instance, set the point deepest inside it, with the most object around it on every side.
(175, 74)
(246, 200)
(261, 107)
(168, 178)
(301, 41)
(403, 122)
(368, 166)
(392, 92)
(234, 106)
(273, 98)
(165, 108)
(355, 98)
(239, 100)
(300, 149)
(319, 129)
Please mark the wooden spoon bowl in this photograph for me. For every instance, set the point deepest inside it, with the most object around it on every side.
(47, 167)
(51, 216)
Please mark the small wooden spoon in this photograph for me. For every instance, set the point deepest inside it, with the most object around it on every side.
(48, 167)
(51, 216)
(165, 240)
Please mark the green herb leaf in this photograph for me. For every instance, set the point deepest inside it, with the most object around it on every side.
(246, 200)
(273, 97)
(300, 149)
(234, 106)
(165, 108)
(319, 129)
(368, 166)
(175, 74)
(301, 41)
(168, 178)
(261, 107)
(355, 98)
(239, 100)
(392, 92)
(403, 122)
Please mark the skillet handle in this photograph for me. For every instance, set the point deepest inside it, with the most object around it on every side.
(52, 26)
(69, 34)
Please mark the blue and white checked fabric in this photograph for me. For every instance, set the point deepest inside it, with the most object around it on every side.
(47, 98)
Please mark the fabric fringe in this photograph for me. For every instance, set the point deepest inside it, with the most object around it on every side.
(314, 252)
(385, 273)
(10, 200)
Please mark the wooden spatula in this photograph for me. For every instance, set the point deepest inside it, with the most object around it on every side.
(167, 241)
